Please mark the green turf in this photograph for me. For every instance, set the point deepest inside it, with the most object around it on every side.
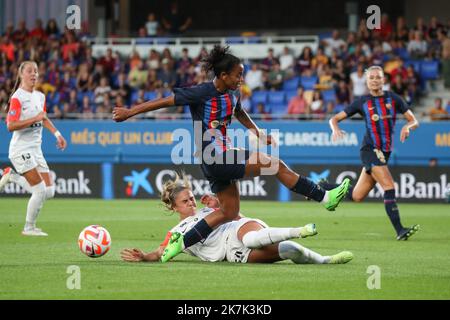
(35, 268)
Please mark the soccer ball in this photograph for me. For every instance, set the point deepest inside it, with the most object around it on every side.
(94, 241)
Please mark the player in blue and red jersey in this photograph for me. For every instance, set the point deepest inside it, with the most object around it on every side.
(379, 110)
(212, 105)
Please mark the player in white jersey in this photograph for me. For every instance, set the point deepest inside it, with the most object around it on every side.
(243, 240)
(26, 116)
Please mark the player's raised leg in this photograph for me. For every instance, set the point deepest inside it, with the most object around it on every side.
(297, 183)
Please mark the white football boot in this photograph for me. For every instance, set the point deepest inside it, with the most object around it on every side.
(6, 175)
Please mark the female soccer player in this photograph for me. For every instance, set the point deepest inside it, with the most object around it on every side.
(379, 110)
(212, 105)
(243, 240)
(26, 116)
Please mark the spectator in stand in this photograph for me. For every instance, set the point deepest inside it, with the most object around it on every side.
(246, 103)
(340, 72)
(175, 22)
(185, 61)
(121, 103)
(320, 58)
(71, 106)
(70, 45)
(21, 34)
(8, 48)
(412, 83)
(398, 86)
(401, 30)
(417, 46)
(445, 57)
(343, 93)
(138, 76)
(261, 110)
(166, 54)
(358, 82)
(152, 25)
(254, 78)
(38, 32)
(83, 78)
(305, 60)
(386, 28)
(398, 69)
(448, 107)
(287, 61)
(101, 91)
(420, 26)
(154, 60)
(433, 28)
(269, 61)
(87, 110)
(298, 104)
(167, 76)
(317, 105)
(438, 113)
(276, 77)
(52, 29)
(122, 89)
(108, 62)
(334, 43)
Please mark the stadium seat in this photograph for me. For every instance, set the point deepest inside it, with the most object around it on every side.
(291, 84)
(329, 95)
(290, 94)
(429, 70)
(338, 108)
(259, 97)
(253, 39)
(308, 83)
(144, 41)
(414, 63)
(162, 40)
(150, 95)
(234, 40)
(276, 97)
(276, 108)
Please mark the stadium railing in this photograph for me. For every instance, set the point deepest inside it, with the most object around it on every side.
(243, 47)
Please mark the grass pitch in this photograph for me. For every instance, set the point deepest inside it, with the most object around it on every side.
(36, 268)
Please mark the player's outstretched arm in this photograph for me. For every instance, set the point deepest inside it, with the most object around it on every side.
(337, 132)
(61, 143)
(247, 122)
(122, 114)
(412, 124)
(137, 255)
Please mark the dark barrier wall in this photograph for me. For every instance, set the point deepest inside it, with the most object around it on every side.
(141, 181)
(300, 142)
(71, 180)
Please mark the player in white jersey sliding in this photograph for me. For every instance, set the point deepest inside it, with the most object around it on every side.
(243, 240)
(26, 115)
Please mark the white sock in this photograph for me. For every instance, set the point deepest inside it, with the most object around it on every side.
(21, 181)
(266, 236)
(49, 192)
(298, 254)
(35, 204)
(326, 197)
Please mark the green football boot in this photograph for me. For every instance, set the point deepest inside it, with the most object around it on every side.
(341, 257)
(308, 230)
(336, 195)
(174, 247)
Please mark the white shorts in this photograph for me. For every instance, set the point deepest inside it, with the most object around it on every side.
(28, 160)
(236, 251)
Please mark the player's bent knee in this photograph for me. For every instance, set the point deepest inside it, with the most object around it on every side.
(50, 192)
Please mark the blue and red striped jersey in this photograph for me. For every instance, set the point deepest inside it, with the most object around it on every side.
(213, 109)
(380, 114)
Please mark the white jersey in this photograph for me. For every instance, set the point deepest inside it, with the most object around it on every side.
(212, 248)
(222, 244)
(25, 105)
